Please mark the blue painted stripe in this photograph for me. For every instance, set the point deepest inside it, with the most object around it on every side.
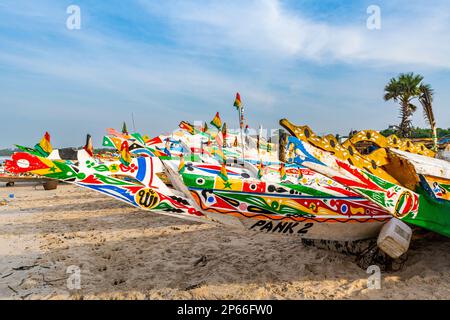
(142, 169)
(309, 157)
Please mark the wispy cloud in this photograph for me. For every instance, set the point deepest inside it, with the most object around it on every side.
(174, 60)
(418, 35)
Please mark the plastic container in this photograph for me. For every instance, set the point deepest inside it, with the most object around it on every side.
(50, 185)
(394, 238)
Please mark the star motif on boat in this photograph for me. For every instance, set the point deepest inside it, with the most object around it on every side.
(227, 185)
(53, 169)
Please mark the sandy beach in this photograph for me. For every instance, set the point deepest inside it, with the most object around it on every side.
(126, 253)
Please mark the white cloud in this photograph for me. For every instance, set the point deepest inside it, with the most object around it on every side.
(266, 27)
(260, 48)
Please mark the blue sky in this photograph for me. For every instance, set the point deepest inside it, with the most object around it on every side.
(314, 62)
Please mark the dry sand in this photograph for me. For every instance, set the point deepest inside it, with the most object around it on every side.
(126, 253)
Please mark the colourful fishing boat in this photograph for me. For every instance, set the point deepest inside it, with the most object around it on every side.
(431, 178)
(269, 197)
(411, 186)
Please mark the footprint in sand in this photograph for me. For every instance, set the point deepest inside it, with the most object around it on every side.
(102, 268)
(118, 281)
(107, 256)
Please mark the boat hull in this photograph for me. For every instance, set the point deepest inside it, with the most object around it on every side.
(433, 215)
(306, 228)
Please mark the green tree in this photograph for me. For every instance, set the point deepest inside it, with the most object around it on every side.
(404, 89)
(124, 128)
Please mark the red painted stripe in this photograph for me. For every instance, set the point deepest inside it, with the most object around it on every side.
(151, 171)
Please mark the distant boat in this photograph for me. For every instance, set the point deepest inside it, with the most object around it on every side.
(10, 179)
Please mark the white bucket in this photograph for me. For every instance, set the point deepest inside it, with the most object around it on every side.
(394, 238)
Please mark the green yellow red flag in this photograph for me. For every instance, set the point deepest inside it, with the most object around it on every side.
(44, 147)
(237, 101)
(216, 122)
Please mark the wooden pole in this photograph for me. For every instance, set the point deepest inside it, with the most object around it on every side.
(241, 124)
(134, 126)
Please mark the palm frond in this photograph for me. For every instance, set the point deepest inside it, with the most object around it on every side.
(426, 100)
(392, 90)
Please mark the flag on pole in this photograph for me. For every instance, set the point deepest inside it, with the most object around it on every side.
(187, 126)
(182, 165)
(223, 172)
(205, 128)
(216, 122)
(44, 147)
(237, 101)
(240, 108)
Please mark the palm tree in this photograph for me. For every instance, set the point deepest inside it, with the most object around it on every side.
(426, 100)
(404, 90)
